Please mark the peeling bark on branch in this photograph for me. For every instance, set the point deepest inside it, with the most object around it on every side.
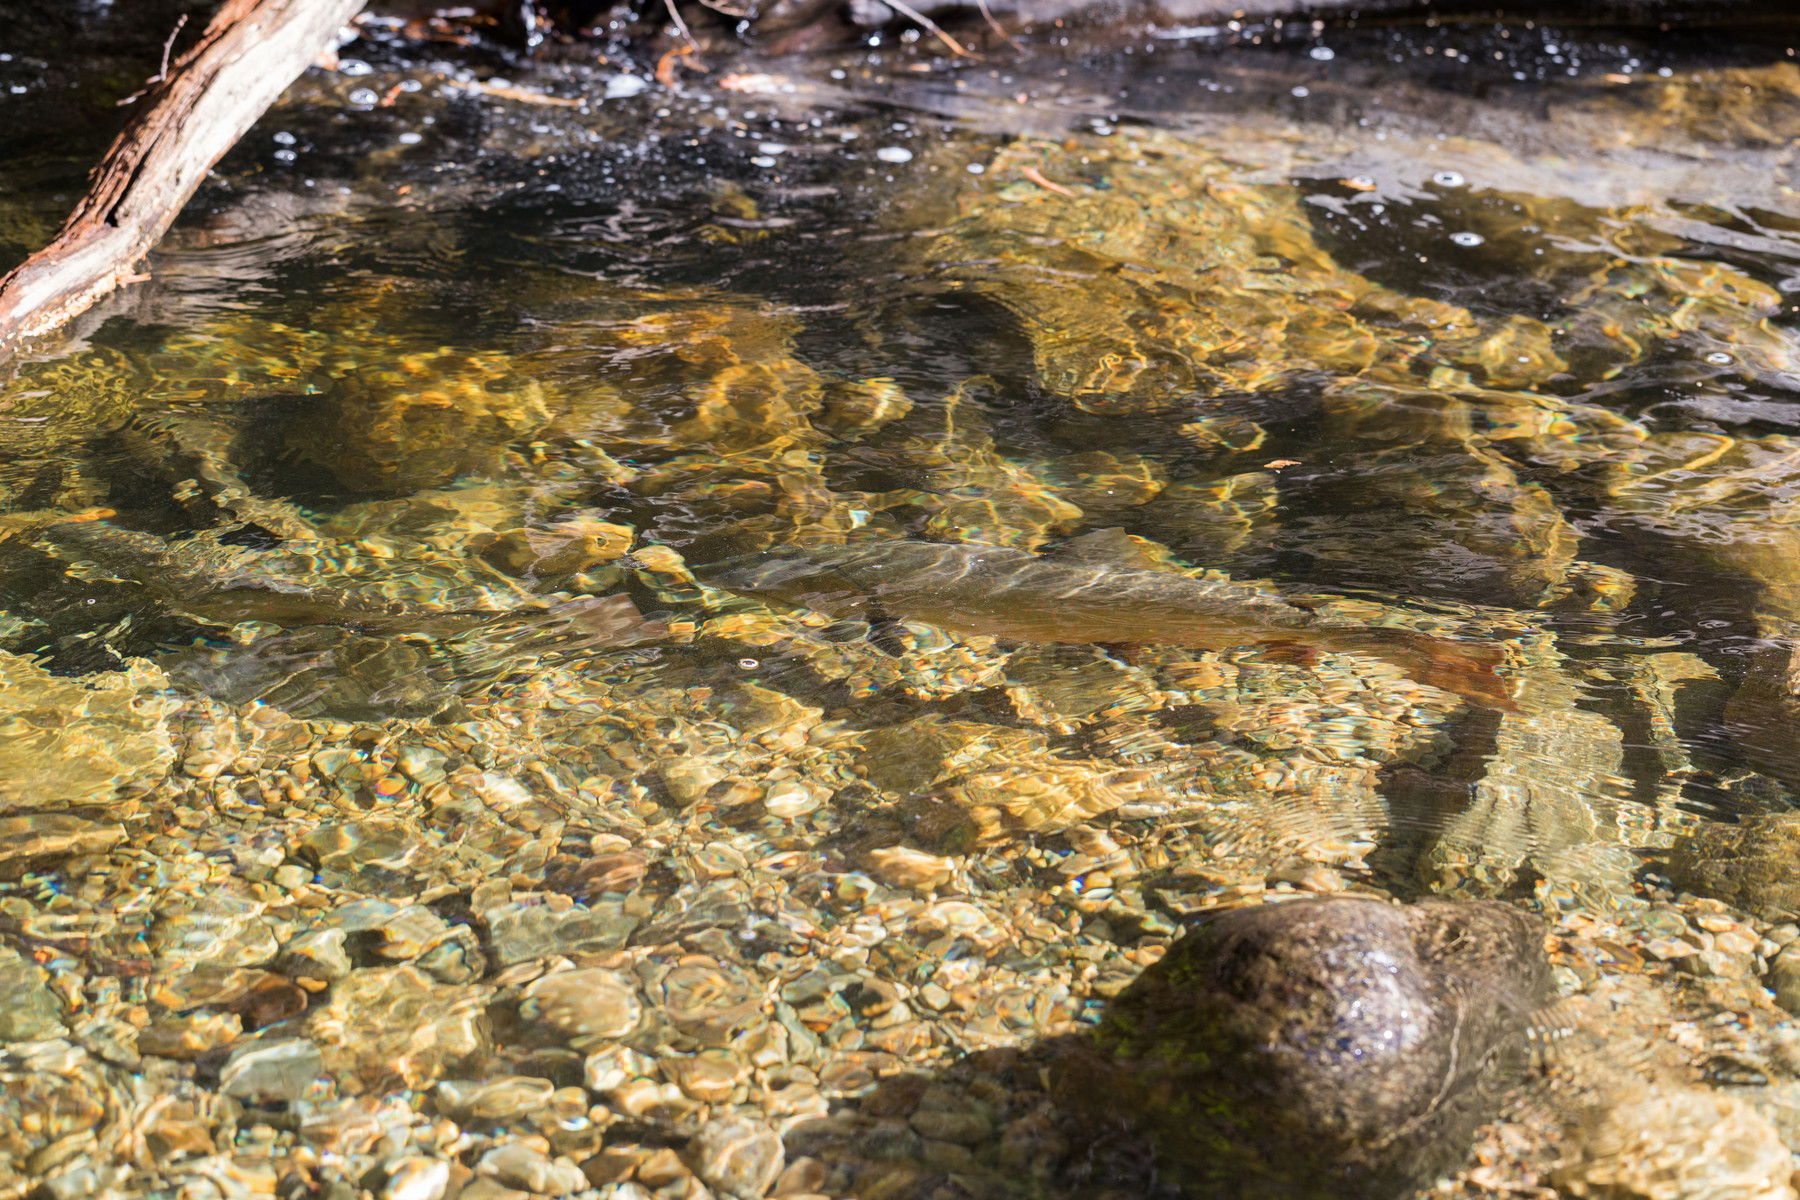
(244, 60)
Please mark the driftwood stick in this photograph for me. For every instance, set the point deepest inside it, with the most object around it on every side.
(205, 102)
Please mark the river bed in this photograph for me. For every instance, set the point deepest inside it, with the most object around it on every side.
(394, 803)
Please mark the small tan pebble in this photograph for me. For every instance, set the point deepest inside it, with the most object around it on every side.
(190, 1035)
(791, 799)
(738, 793)
(902, 866)
(687, 779)
(1735, 941)
(529, 1169)
(641, 1099)
(417, 1178)
(290, 877)
(1319, 879)
(611, 1166)
(1718, 965)
(767, 1046)
(496, 1099)
(1668, 949)
(661, 1167)
(934, 997)
(709, 1077)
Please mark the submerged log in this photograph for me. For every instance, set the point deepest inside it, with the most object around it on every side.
(197, 110)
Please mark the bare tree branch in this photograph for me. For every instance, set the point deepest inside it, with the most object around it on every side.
(197, 110)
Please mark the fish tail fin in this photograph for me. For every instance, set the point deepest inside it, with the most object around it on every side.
(1466, 669)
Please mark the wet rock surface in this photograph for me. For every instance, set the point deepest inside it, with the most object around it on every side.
(1678, 1143)
(1742, 863)
(1322, 1047)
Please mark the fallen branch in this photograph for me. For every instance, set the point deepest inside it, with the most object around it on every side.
(245, 58)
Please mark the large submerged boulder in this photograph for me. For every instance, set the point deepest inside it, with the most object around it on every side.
(1340, 1047)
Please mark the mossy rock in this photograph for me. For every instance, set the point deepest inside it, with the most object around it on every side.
(1341, 1047)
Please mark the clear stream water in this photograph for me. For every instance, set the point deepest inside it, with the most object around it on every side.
(355, 685)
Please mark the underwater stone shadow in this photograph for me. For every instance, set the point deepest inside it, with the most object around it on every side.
(1327, 1047)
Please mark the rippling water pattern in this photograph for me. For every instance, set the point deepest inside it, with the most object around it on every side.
(691, 643)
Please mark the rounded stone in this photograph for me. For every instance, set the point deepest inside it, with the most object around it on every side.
(710, 1001)
(737, 1156)
(1784, 978)
(520, 1166)
(277, 1070)
(688, 779)
(587, 1005)
(791, 799)
(1676, 1144)
(709, 1077)
(1745, 864)
(1329, 1047)
(498, 1099)
(417, 1178)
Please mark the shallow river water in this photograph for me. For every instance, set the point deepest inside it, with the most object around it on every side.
(398, 797)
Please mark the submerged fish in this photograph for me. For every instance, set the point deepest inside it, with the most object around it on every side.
(1023, 597)
(221, 584)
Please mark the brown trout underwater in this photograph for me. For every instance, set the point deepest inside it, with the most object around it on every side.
(222, 585)
(1023, 597)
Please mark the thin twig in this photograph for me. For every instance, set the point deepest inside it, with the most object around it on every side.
(675, 15)
(162, 72)
(743, 12)
(988, 14)
(1036, 176)
(914, 14)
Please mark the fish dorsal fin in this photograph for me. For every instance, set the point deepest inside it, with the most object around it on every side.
(1115, 548)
